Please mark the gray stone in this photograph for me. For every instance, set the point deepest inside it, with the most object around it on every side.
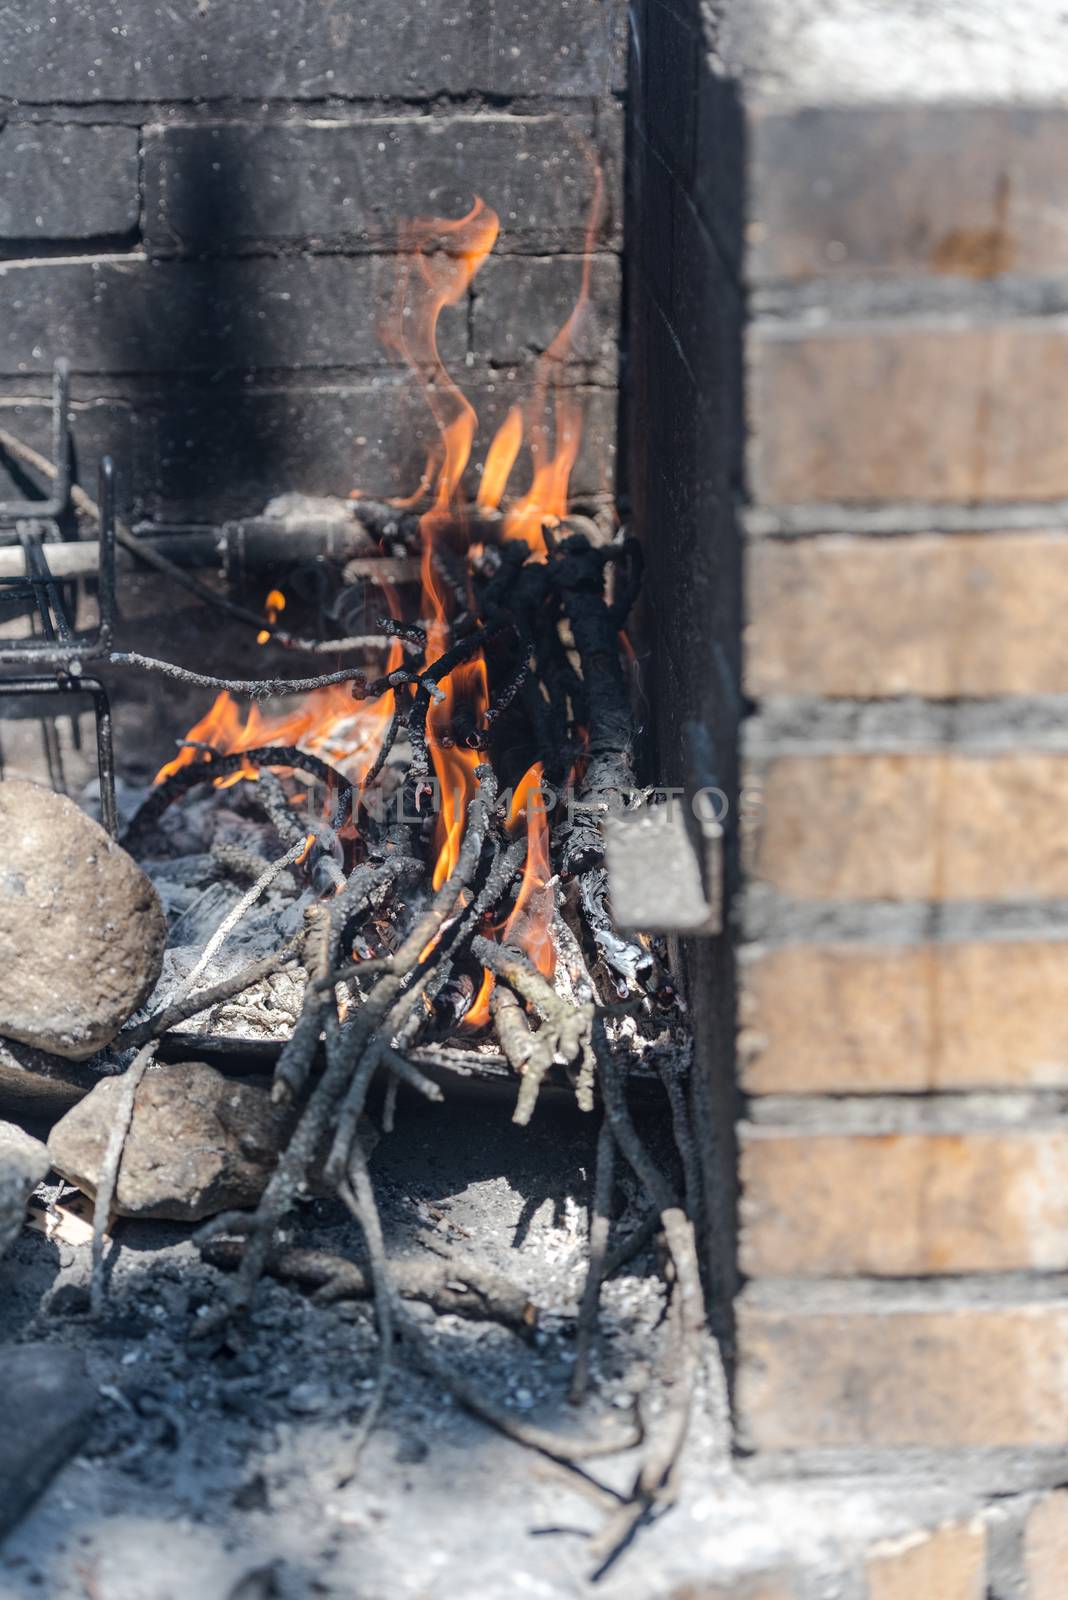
(39, 1086)
(228, 186)
(23, 1164)
(59, 182)
(81, 929)
(198, 1143)
(47, 1403)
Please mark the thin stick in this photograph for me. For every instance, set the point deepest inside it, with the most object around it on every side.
(230, 922)
(600, 1226)
(256, 688)
(358, 1194)
(108, 1180)
(180, 1011)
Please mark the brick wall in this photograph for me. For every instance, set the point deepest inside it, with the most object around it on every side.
(897, 290)
(198, 206)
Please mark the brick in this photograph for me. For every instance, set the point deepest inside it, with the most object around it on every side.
(899, 412)
(521, 303)
(924, 826)
(948, 1564)
(103, 426)
(906, 190)
(902, 1204)
(222, 187)
(857, 1019)
(61, 182)
(1045, 1552)
(225, 449)
(231, 49)
(935, 617)
(108, 50)
(942, 1378)
(570, 48)
(758, 1586)
(130, 315)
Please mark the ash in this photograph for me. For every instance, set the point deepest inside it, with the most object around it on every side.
(225, 1469)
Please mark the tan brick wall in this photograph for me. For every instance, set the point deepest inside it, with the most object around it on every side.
(1045, 1557)
(945, 1378)
(948, 1564)
(922, 826)
(895, 412)
(904, 1205)
(907, 190)
(858, 1019)
(939, 617)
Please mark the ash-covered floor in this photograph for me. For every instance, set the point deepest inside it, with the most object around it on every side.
(231, 1471)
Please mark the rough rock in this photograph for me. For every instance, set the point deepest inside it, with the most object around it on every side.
(23, 1163)
(48, 1403)
(198, 1143)
(81, 929)
(39, 1087)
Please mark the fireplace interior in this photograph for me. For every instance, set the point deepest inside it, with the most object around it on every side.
(320, 595)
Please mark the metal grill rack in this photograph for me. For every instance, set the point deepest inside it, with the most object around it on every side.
(54, 656)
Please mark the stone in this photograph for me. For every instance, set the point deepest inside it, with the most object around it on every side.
(841, 1018)
(921, 825)
(900, 1204)
(37, 1086)
(937, 617)
(81, 929)
(23, 1164)
(48, 1405)
(198, 1143)
(949, 1564)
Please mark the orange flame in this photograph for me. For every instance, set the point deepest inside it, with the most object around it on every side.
(529, 921)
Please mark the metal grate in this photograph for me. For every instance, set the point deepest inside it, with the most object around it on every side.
(54, 655)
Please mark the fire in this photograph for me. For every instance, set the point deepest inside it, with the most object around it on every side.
(327, 723)
(440, 260)
(529, 922)
(274, 605)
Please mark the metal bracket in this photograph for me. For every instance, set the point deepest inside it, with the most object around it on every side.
(665, 862)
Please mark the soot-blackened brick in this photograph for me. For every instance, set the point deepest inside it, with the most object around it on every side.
(522, 302)
(101, 50)
(225, 449)
(130, 315)
(61, 182)
(572, 47)
(227, 187)
(166, 50)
